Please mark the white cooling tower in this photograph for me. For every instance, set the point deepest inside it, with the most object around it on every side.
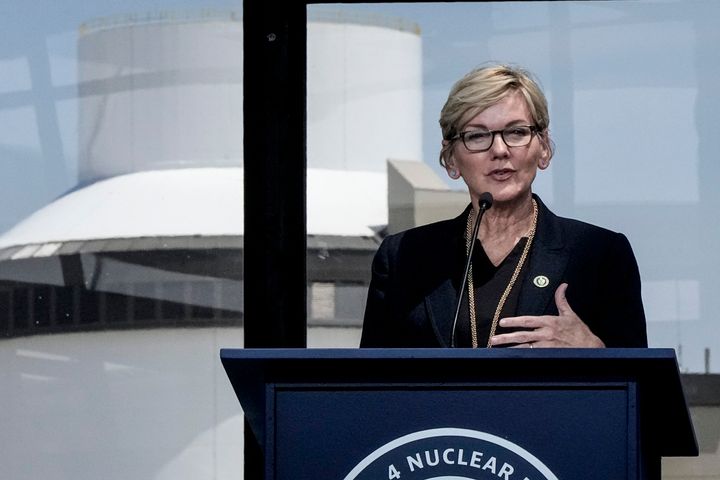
(167, 93)
(364, 94)
(162, 93)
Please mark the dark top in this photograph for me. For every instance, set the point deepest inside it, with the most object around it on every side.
(416, 276)
(489, 283)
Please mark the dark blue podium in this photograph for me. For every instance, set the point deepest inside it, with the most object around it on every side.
(454, 414)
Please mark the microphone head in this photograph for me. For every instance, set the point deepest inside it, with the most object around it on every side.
(485, 201)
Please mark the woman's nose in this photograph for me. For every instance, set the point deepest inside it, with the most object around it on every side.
(498, 146)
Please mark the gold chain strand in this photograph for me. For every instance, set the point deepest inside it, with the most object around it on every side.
(471, 289)
(508, 289)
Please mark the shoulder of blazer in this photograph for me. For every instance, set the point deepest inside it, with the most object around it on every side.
(557, 232)
(432, 241)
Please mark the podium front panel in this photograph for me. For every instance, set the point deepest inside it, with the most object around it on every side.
(452, 431)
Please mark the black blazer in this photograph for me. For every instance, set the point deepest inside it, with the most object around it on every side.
(416, 276)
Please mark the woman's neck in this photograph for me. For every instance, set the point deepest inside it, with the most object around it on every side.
(511, 217)
(504, 225)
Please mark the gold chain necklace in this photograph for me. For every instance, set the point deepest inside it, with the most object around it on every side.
(508, 289)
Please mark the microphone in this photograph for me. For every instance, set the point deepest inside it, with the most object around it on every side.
(485, 201)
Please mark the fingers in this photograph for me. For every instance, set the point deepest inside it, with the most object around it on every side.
(532, 330)
(525, 345)
(527, 321)
(520, 338)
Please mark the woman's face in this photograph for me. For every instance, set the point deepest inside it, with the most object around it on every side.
(506, 172)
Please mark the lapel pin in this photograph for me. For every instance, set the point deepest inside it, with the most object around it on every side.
(541, 281)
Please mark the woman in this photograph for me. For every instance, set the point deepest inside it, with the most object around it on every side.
(536, 280)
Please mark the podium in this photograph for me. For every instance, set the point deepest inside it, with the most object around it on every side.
(454, 414)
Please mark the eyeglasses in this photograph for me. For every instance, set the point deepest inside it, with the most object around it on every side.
(481, 140)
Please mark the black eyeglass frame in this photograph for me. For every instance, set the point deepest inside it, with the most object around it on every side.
(534, 130)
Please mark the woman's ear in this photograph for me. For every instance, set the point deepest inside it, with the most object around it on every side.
(546, 153)
(453, 173)
(544, 161)
(449, 161)
(452, 170)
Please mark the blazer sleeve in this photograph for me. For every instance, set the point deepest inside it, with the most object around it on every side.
(376, 309)
(624, 322)
(377, 323)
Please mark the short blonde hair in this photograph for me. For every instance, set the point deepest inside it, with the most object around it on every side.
(484, 87)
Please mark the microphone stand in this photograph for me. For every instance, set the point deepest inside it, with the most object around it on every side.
(484, 203)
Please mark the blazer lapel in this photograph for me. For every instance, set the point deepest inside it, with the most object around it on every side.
(548, 261)
(440, 305)
(441, 302)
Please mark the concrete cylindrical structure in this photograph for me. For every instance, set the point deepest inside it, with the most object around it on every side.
(364, 93)
(160, 94)
(167, 93)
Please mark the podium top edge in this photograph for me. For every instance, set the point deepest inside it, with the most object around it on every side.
(445, 353)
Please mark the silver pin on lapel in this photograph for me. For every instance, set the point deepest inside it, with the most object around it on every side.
(541, 281)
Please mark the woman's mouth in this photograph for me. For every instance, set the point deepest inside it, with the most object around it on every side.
(501, 174)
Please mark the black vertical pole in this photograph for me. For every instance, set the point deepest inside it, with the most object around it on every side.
(275, 172)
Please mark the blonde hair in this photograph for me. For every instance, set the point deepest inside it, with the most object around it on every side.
(484, 87)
